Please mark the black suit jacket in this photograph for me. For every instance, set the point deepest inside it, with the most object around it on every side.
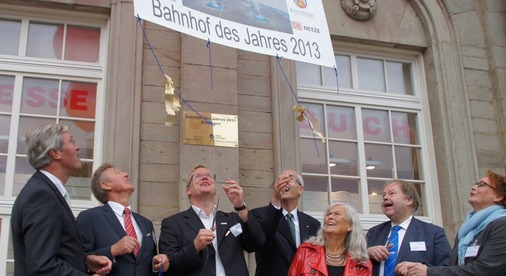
(45, 237)
(100, 229)
(179, 231)
(437, 247)
(279, 249)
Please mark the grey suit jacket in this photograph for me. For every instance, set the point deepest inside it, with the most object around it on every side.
(179, 231)
(100, 229)
(45, 237)
(437, 247)
(490, 259)
(277, 254)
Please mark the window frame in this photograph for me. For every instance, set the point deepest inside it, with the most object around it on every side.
(417, 103)
(22, 66)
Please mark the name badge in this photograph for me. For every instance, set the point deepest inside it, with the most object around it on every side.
(236, 229)
(417, 246)
(472, 251)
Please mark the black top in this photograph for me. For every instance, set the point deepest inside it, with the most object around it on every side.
(335, 270)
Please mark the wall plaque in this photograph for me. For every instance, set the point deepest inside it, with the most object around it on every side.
(218, 130)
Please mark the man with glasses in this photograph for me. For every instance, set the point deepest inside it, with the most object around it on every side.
(204, 240)
(404, 237)
(285, 227)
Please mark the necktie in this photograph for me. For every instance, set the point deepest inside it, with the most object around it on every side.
(129, 228)
(392, 259)
(291, 225)
(67, 198)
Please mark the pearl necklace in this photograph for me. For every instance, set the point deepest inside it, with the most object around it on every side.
(335, 259)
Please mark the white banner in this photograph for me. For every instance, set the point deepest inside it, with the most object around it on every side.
(292, 29)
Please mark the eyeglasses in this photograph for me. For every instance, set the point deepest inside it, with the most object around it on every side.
(483, 183)
(292, 177)
(198, 176)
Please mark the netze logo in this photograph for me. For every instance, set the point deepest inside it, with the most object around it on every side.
(297, 25)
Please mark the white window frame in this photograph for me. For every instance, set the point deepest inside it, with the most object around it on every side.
(417, 103)
(18, 66)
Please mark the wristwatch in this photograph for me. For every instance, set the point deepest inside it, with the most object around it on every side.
(240, 208)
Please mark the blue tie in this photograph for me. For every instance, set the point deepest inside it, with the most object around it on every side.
(392, 259)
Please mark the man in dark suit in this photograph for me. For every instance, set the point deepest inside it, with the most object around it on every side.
(45, 236)
(205, 241)
(418, 241)
(280, 245)
(104, 228)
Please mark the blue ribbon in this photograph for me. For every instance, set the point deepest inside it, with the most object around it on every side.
(161, 70)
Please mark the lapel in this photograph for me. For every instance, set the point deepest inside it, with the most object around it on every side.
(192, 220)
(412, 234)
(222, 226)
(62, 200)
(383, 233)
(285, 230)
(110, 216)
(145, 232)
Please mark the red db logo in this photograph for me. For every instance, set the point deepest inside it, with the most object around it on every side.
(301, 3)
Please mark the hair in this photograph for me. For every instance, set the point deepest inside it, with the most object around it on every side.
(355, 243)
(40, 140)
(499, 183)
(300, 179)
(409, 191)
(97, 178)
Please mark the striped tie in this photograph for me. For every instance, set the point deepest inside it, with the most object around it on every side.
(291, 225)
(392, 259)
(129, 228)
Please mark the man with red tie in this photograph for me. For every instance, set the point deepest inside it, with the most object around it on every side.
(113, 230)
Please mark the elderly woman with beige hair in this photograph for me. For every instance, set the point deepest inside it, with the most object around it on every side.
(338, 249)
(481, 241)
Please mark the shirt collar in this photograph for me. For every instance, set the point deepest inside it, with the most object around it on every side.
(404, 225)
(57, 182)
(293, 212)
(117, 208)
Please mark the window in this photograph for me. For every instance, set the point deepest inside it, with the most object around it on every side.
(375, 129)
(52, 69)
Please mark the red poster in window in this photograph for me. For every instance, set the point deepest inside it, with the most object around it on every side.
(80, 102)
(81, 43)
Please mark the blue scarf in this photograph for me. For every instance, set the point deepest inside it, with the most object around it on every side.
(474, 223)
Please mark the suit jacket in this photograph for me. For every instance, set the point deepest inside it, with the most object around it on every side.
(45, 237)
(179, 231)
(277, 254)
(100, 229)
(436, 244)
(489, 259)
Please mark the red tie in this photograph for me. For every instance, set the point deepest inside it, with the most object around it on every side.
(129, 228)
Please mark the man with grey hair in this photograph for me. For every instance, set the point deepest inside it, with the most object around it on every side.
(45, 237)
(415, 240)
(284, 226)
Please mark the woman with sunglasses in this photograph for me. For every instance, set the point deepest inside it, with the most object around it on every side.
(481, 241)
